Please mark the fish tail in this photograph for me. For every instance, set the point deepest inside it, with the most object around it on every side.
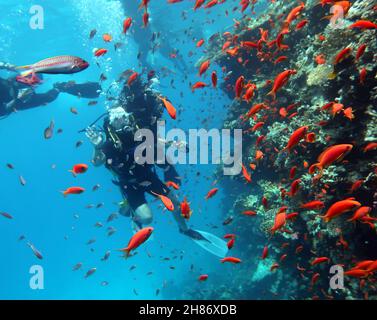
(29, 70)
(73, 173)
(126, 252)
(63, 193)
(272, 93)
(315, 166)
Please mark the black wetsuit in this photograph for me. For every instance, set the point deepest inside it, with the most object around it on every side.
(9, 89)
(135, 179)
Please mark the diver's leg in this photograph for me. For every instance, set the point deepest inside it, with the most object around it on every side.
(142, 214)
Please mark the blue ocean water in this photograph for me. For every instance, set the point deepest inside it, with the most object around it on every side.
(43, 215)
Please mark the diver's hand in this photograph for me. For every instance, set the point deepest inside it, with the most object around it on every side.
(95, 137)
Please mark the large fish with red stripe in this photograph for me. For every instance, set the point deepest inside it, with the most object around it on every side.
(56, 65)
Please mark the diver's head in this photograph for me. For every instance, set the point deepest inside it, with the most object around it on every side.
(120, 120)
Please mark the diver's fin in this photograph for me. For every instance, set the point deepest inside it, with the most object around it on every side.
(212, 244)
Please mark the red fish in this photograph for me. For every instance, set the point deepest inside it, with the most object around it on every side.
(198, 85)
(100, 52)
(370, 146)
(214, 79)
(145, 19)
(360, 51)
(132, 78)
(169, 108)
(73, 190)
(211, 193)
(265, 253)
(231, 259)
(295, 187)
(280, 220)
(172, 184)
(280, 81)
(230, 243)
(313, 205)
(363, 24)
(340, 207)
(360, 213)
(199, 43)
(204, 67)
(79, 169)
(127, 24)
(198, 4)
(249, 213)
(239, 86)
(203, 277)
(185, 209)
(296, 137)
(343, 54)
(137, 239)
(330, 155)
(319, 260)
(245, 174)
(165, 200)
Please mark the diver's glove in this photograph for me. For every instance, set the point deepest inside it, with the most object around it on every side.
(193, 234)
(95, 137)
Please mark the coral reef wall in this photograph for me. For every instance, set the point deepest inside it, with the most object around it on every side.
(327, 99)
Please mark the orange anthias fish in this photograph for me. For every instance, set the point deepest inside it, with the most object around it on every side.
(136, 240)
(296, 137)
(370, 146)
(198, 85)
(132, 78)
(214, 79)
(211, 193)
(126, 24)
(79, 168)
(239, 86)
(73, 190)
(280, 81)
(343, 54)
(293, 14)
(332, 154)
(363, 24)
(107, 37)
(100, 52)
(280, 220)
(340, 207)
(165, 200)
(172, 184)
(186, 212)
(319, 260)
(360, 213)
(169, 107)
(231, 259)
(245, 174)
(313, 205)
(204, 67)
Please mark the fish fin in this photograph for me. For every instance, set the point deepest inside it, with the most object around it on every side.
(272, 93)
(314, 166)
(73, 173)
(23, 67)
(64, 194)
(126, 252)
(327, 17)
(26, 73)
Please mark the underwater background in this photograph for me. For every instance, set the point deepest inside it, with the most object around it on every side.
(168, 265)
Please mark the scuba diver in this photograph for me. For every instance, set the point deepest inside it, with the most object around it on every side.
(16, 96)
(139, 108)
